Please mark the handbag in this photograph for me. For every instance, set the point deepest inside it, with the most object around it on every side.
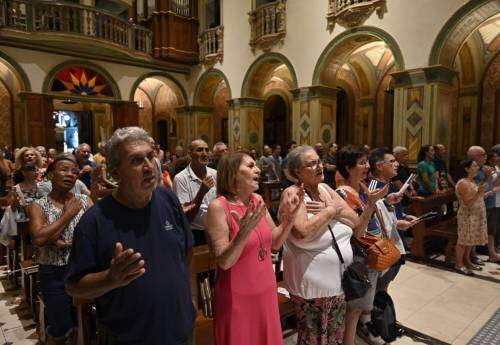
(355, 281)
(381, 253)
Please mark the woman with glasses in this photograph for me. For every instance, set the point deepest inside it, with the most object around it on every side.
(312, 267)
(53, 220)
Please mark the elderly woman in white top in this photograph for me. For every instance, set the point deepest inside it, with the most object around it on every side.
(312, 268)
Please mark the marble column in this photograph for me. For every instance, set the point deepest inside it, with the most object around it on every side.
(423, 108)
(246, 127)
(314, 113)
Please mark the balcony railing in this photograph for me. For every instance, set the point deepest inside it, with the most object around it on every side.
(211, 45)
(350, 13)
(268, 25)
(45, 16)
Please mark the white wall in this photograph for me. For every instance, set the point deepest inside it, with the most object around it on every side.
(37, 65)
(414, 24)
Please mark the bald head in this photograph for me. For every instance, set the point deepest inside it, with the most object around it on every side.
(477, 154)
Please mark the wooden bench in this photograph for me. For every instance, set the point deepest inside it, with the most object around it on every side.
(271, 194)
(425, 231)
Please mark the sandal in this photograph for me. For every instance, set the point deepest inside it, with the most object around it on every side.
(474, 267)
(463, 270)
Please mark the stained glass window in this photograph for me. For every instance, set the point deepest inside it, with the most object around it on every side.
(81, 81)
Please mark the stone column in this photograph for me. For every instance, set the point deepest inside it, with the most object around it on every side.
(246, 123)
(314, 115)
(194, 122)
(423, 103)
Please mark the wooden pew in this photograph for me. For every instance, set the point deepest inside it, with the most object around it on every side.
(85, 332)
(424, 231)
(271, 194)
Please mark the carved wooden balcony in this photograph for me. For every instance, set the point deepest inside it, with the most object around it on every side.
(211, 45)
(268, 25)
(175, 30)
(58, 18)
(351, 13)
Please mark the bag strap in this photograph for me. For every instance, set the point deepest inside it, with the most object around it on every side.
(335, 245)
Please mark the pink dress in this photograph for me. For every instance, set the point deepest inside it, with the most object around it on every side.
(246, 300)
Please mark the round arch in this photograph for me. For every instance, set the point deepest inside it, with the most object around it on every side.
(158, 74)
(49, 79)
(212, 72)
(449, 40)
(350, 39)
(17, 70)
(254, 67)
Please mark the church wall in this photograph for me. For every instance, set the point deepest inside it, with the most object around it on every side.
(38, 64)
(407, 21)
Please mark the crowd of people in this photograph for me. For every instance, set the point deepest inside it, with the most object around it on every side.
(119, 227)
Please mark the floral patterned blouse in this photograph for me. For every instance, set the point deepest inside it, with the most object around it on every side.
(50, 254)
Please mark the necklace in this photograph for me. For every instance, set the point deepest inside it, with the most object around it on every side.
(262, 251)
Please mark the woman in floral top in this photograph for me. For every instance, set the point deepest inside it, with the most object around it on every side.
(53, 220)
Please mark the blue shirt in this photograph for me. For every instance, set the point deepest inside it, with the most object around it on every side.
(373, 225)
(156, 308)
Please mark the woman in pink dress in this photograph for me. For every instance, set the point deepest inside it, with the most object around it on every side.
(242, 235)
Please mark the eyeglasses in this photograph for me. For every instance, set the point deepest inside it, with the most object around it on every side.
(313, 164)
(392, 161)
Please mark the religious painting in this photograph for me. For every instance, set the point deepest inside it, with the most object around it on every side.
(81, 81)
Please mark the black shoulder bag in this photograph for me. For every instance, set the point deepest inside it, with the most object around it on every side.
(355, 282)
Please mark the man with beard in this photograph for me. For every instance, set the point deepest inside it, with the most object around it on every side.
(193, 183)
(130, 252)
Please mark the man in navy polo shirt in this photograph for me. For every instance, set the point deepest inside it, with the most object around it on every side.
(130, 252)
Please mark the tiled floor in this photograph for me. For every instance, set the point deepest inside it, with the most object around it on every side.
(442, 304)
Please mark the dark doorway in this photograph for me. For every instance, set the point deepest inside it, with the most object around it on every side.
(389, 117)
(276, 121)
(162, 133)
(86, 128)
(224, 134)
(345, 123)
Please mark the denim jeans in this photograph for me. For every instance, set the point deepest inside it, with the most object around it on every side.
(59, 310)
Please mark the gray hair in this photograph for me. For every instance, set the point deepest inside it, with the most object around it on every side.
(496, 149)
(216, 146)
(399, 149)
(294, 159)
(120, 136)
(473, 151)
(82, 145)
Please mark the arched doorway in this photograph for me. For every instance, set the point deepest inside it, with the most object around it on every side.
(469, 43)
(13, 81)
(81, 105)
(343, 119)
(276, 119)
(358, 63)
(212, 94)
(269, 81)
(159, 96)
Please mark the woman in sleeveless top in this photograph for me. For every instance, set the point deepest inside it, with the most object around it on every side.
(312, 268)
(53, 220)
(242, 235)
(471, 217)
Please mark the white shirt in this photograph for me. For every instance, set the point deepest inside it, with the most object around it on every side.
(312, 269)
(187, 185)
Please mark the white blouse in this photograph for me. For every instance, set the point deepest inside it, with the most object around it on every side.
(312, 269)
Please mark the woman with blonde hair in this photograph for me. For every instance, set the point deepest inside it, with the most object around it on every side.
(242, 235)
(28, 155)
